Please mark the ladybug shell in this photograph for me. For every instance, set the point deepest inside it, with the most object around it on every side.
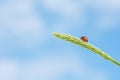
(84, 38)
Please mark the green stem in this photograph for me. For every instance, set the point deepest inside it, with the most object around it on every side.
(84, 44)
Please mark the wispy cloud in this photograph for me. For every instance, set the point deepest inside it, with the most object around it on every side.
(51, 67)
(8, 69)
(75, 12)
(62, 7)
(54, 67)
(21, 20)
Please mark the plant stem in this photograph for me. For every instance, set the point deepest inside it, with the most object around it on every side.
(86, 45)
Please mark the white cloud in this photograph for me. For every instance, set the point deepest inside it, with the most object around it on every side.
(74, 12)
(54, 67)
(71, 13)
(21, 19)
(105, 14)
(8, 69)
(49, 68)
(65, 8)
(109, 5)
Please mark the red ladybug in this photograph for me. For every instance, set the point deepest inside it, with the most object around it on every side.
(84, 38)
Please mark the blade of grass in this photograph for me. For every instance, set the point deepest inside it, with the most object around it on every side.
(86, 45)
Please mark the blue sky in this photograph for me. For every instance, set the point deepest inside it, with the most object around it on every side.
(29, 51)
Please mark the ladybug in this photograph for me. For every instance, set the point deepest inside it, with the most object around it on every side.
(84, 38)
